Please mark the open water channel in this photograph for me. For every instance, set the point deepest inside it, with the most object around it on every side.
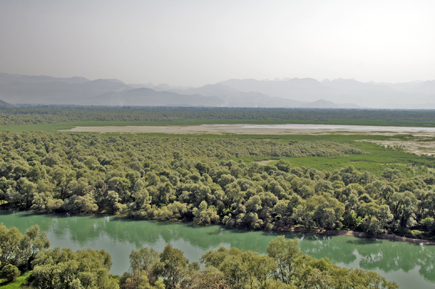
(410, 265)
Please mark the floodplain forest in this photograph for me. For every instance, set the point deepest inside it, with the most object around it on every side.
(194, 179)
(205, 180)
(206, 115)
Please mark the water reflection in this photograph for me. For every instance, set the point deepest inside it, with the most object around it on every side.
(407, 264)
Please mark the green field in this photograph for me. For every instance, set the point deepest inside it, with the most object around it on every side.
(376, 161)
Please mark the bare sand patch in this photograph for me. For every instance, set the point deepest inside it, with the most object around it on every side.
(278, 129)
(417, 145)
(194, 129)
(264, 162)
(421, 140)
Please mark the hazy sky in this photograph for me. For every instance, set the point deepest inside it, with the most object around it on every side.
(195, 42)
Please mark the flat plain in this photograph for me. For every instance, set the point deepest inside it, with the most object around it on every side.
(419, 140)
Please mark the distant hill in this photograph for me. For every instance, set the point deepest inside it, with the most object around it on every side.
(292, 93)
(344, 92)
(50, 90)
(22, 89)
(4, 104)
(294, 88)
(150, 97)
(10, 78)
(242, 96)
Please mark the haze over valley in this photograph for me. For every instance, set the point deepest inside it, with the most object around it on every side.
(291, 93)
(334, 54)
(217, 144)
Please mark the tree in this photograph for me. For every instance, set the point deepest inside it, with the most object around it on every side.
(172, 266)
(259, 267)
(81, 204)
(144, 260)
(242, 269)
(10, 273)
(63, 268)
(403, 206)
(302, 215)
(142, 264)
(27, 190)
(139, 280)
(30, 245)
(285, 254)
(9, 242)
(283, 166)
(204, 215)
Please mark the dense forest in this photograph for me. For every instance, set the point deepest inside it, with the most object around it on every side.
(284, 266)
(66, 114)
(203, 180)
(194, 179)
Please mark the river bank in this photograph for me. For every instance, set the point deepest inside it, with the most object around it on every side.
(410, 265)
(390, 237)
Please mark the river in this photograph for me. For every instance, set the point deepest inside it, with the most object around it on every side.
(410, 265)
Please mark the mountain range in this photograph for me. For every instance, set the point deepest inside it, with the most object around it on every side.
(295, 92)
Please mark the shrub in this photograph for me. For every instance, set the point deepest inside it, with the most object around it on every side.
(10, 272)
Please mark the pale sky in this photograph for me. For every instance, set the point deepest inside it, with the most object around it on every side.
(195, 42)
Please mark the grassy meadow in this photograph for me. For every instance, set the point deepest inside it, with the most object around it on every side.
(15, 284)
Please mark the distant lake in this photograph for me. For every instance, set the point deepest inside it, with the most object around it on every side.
(410, 265)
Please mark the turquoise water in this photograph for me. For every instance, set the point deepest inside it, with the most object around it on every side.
(410, 265)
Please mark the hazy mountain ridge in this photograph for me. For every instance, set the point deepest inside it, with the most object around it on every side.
(150, 97)
(245, 97)
(296, 92)
(10, 78)
(56, 92)
(285, 88)
(21, 89)
(370, 94)
(5, 104)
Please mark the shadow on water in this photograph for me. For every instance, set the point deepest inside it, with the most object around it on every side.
(215, 232)
(6, 212)
(364, 241)
(30, 214)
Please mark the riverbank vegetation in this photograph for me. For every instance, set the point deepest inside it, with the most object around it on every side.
(17, 252)
(196, 179)
(43, 117)
(284, 266)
